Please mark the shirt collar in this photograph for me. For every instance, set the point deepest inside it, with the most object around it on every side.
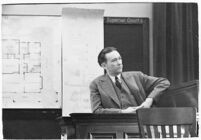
(113, 77)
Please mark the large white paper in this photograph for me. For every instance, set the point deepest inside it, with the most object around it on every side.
(82, 40)
(31, 60)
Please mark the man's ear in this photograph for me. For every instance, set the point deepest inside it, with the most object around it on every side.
(103, 65)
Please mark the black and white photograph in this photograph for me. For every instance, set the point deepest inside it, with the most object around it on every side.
(100, 69)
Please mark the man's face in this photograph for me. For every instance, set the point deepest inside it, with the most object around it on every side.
(113, 64)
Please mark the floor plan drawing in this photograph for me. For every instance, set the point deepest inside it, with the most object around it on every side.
(22, 66)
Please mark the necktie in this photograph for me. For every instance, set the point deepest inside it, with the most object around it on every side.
(117, 82)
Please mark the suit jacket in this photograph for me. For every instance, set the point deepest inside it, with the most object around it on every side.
(104, 98)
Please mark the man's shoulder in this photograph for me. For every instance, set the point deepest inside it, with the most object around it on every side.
(98, 78)
(135, 73)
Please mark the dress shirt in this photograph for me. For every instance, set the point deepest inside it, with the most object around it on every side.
(113, 78)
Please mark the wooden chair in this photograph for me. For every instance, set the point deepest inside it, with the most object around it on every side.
(167, 122)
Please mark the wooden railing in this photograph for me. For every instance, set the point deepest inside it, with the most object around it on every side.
(101, 126)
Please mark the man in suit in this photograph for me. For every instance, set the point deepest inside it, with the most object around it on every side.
(123, 92)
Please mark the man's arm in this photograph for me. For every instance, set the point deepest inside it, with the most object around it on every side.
(154, 86)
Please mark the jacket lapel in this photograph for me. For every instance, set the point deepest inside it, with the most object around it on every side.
(108, 88)
(132, 85)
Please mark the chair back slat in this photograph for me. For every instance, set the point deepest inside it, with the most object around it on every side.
(148, 131)
(163, 131)
(179, 131)
(142, 131)
(156, 133)
(171, 131)
(186, 131)
(167, 122)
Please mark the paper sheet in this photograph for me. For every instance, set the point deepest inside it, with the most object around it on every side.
(82, 39)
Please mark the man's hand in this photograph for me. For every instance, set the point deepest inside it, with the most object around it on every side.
(147, 103)
(130, 109)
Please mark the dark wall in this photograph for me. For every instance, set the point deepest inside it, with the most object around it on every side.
(131, 38)
(31, 124)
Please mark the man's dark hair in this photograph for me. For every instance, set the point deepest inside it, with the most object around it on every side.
(101, 56)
